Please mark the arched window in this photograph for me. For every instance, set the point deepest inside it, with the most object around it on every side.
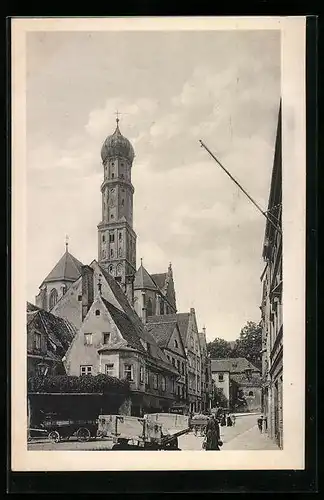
(161, 307)
(149, 308)
(53, 298)
(251, 393)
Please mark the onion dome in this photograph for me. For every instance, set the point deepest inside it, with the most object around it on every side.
(117, 145)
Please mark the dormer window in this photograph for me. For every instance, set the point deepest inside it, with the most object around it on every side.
(97, 312)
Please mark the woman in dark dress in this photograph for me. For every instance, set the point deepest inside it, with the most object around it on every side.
(212, 434)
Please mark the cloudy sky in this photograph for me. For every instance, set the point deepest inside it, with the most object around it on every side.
(172, 88)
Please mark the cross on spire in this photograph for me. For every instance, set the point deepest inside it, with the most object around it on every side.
(117, 114)
(67, 242)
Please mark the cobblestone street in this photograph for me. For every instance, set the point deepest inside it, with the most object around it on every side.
(245, 435)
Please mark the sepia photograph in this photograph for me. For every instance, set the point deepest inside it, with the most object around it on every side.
(154, 226)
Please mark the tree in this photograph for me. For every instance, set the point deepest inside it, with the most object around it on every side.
(219, 349)
(249, 344)
(219, 398)
(85, 384)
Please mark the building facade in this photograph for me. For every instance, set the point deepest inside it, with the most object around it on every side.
(271, 306)
(169, 339)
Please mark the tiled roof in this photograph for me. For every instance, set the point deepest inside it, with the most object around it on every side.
(243, 381)
(181, 318)
(161, 332)
(232, 365)
(58, 331)
(183, 322)
(125, 326)
(143, 280)
(155, 351)
(159, 279)
(67, 268)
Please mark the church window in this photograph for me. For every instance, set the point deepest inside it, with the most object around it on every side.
(103, 238)
(149, 308)
(123, 202)
(161, 307)
(111, 237)
(112, 216)
(251, 393)
(112, 175)
(120, 236)
(79, 298)
(176, 343)
(97, 312)
(111, 252)
(110, 269)
(53, 298)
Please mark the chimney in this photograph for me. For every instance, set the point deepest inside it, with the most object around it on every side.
(87, 289)
(129, 288)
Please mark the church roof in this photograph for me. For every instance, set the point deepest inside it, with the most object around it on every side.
(68, 268)
(160, 279)
(143, 280)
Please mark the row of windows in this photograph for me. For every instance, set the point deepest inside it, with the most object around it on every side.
(177, 364)
(164, 308)
(88, 337)
(128, 374)
(112, 237)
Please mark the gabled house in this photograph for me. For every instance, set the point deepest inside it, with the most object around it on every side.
(48, 338)
(238, 377)
(188, 329)
(168, 338)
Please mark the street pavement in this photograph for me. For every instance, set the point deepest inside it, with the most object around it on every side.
(245, 435)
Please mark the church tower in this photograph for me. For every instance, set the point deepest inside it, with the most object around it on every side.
(116, 237)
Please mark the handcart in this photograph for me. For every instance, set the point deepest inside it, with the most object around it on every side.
(134, 433)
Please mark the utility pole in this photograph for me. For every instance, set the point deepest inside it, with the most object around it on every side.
(241, 188)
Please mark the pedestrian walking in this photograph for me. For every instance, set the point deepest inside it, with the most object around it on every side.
(233, 419)
(229, 422)
(260, 422)
(212, 440)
